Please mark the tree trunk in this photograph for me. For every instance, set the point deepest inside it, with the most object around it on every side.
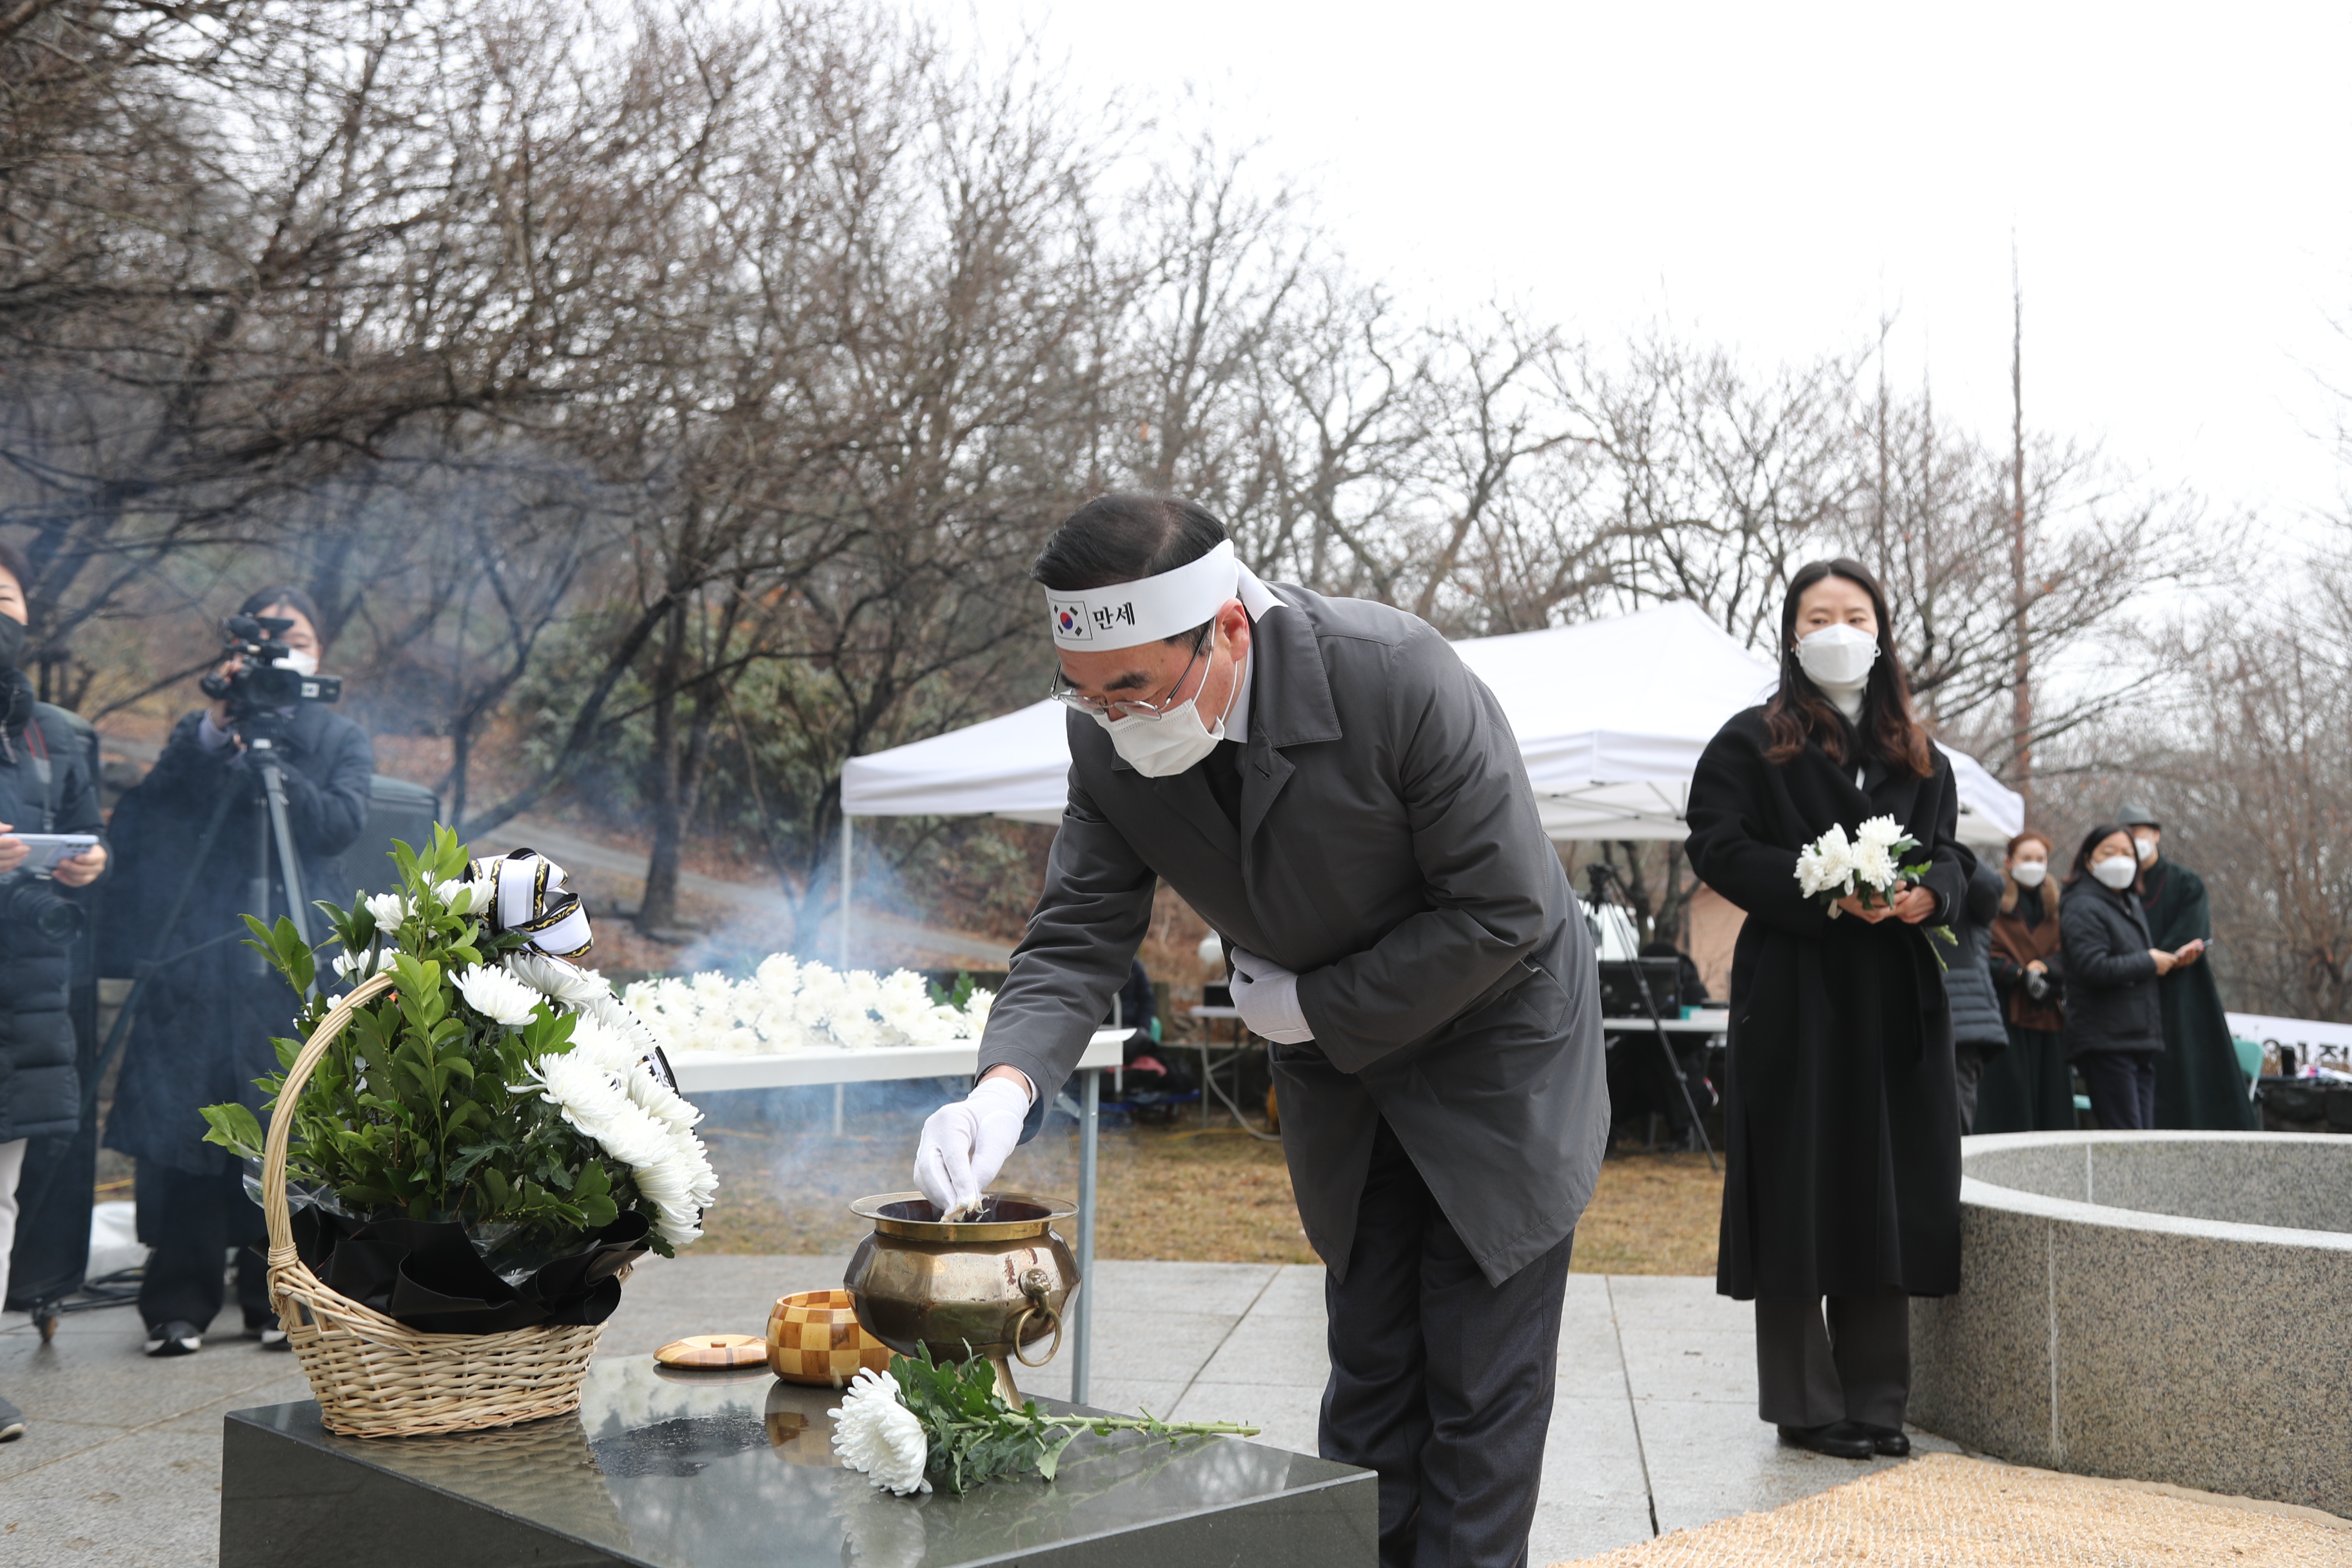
(665, 799)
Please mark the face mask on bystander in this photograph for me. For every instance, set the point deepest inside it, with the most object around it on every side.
(2116, 872)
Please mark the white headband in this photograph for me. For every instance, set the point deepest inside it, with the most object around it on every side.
(1148, 609)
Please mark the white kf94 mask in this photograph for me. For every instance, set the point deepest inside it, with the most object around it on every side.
(1837, 656)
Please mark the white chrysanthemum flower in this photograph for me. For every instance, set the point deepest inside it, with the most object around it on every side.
(975, 1012)
(1826, 865)
(389, 909)
(455, 897)
(877, 1435)
(1873, 867)
(592, 1040)
(565, 981)
(622, 1019)
(358, 966)
(670, 1166)
(496, 995)
(1883, 831)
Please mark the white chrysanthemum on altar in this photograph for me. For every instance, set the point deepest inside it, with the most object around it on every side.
(790, 1005)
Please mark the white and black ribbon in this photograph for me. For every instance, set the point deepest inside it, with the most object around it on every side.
(531, 895)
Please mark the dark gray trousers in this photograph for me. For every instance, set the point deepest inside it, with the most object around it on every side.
(1969, 1057)
(1440, 1381)
(1856, 1367)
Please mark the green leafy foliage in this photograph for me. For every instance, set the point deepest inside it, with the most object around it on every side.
(955, 996)
(423, 1108)
(973, 1435)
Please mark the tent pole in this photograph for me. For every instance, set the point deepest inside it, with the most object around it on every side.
(848, 850)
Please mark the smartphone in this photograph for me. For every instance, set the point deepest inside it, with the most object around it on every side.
(48, 848)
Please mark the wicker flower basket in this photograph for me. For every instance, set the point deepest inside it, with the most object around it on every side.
(374, 1377)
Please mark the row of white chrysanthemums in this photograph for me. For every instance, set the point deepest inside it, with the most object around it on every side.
(605, 1085)
(788, 1004)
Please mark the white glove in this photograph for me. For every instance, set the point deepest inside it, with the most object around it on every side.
(965, 1144)
(1267, 997)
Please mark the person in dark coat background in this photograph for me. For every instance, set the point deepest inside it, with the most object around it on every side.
(45, 787)
(2115, 1024)
(205, 1021)
(2030, 1087)
(1978, 1035)
(1842, 1114)
(2197, 1083)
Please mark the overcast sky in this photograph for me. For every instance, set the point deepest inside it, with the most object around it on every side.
(1775, 177)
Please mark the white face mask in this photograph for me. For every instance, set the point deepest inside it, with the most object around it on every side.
(2029, 873)
(1837, 656)
(1169, 743)
(300, 660)
(2116, 872)
(2147, 847)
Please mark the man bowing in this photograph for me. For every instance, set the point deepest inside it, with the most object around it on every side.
(1324, 782)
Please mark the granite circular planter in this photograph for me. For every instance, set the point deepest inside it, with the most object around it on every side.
(2151, 1306)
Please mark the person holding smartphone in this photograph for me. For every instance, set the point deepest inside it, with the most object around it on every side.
(46, 788)
(203, 1028)
(2114, 1023)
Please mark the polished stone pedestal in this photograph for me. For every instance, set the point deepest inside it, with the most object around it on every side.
(673, 1471)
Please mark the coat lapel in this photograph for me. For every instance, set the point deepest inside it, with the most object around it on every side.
(1187, 795)
(1290, 705)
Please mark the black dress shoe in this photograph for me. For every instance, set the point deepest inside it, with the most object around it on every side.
(1886, 1439)
(1839, 1439)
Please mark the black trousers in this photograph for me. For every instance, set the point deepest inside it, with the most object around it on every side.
(1440, 1381)
(191, 1221)
(1856, 1365)
(2122, 1086)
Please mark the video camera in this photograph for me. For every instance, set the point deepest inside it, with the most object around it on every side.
(258, 689)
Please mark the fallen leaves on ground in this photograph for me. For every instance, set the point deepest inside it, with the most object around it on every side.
(1182, 1192)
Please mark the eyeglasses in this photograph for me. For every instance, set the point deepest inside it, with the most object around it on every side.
(1062, 691)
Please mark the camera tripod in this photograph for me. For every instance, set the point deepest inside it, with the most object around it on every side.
(1601, 877)
(261, 748)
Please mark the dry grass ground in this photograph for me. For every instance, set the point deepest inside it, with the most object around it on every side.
(1213, 1196)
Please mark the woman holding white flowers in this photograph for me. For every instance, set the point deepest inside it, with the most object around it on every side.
(1841, 1111)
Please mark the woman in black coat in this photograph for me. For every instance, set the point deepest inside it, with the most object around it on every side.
(45, 787)
(203, 1030)
(1841, 1111)
(2114, 1018)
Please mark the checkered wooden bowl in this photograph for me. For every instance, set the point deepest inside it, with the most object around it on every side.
(814, 1337)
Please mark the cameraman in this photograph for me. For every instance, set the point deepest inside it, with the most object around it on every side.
(45, 787)
(205, 1021)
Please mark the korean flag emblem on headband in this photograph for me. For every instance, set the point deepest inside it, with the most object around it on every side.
(1123, 614)
(530, 894)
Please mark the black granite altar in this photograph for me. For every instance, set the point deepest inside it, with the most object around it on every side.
(672, 1472)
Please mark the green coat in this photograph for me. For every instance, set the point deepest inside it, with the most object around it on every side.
(2197, 1084)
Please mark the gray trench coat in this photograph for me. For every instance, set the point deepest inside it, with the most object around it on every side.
(1389, 852)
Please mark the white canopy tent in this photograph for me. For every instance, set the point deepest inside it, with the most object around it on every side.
(1610, 716)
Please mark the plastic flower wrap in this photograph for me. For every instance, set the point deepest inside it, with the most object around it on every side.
(790, 1004)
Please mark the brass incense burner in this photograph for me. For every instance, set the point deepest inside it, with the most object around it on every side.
(994, 1285)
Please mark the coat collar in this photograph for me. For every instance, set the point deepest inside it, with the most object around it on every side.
(1290, 705)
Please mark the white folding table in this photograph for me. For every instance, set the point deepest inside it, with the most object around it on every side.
(700, 1072)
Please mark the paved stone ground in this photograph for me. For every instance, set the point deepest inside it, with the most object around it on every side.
(1654, 1426)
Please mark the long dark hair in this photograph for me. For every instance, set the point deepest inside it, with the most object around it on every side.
(2098, 834)
(1798, 712)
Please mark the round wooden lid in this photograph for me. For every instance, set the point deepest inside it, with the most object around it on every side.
(714, 1350)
